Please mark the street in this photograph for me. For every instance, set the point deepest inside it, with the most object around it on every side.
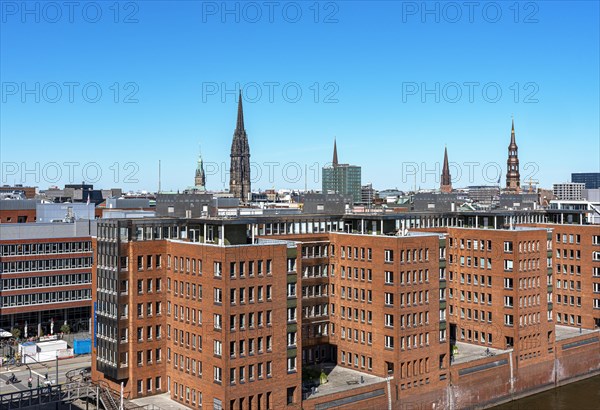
(39, 371)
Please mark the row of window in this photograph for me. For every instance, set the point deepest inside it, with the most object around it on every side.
(46, 264)
(481, 263)
(408, 255)
(350, 335)
(246, 320)
(185, 289)
(250, 373)
(46, 281)
(475, 244)
(475, 314)
(571, 238)
(352, 359)
(248, 347)
(573, 269)
(250, 294)
(46, 297)
(408, 299)
(45, 248)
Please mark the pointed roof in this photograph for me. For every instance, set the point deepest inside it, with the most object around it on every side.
(512, 134)
(240, 114)
(445, 167)
(335, 157)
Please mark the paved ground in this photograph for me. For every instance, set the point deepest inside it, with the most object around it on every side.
(468, 352)
(338, 378)
(38, 372)
(161, 400)
(567, 332)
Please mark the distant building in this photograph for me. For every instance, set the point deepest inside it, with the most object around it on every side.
(368, 194)
(239, 183)
(325, 203)
(200, 177)
(64, 212)
(484, 194)
(27, 191)
(343, 179)
(513, 178)
(446, 180)
(568, 190)
(17, 210)
(510, 200)
(434, 201)
(590, 179)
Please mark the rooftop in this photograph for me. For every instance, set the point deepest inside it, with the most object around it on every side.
(567, 332)
(468, 352)
(339, 379)
(163, 401)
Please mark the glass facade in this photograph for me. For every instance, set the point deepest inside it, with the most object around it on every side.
(343, 179)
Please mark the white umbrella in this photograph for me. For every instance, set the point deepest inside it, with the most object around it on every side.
(4, 333)
(25, 330)
(52, 326)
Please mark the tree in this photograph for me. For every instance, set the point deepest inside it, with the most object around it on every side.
(66, 329)
(16, 333)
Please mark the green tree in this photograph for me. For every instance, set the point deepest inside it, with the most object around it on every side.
(16, 333)
(66, 329)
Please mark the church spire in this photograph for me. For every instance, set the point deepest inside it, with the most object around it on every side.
(240, 114)
(446, 181)
(513, 178)
(239, 177)
(335, 158)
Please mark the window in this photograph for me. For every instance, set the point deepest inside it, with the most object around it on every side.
(508, 247)
(291, 364)
(389, 299)
(218, 348)
(218, 293)
(508, 320)
(389, 320)
(389, 342)
(508, 264)
(389, 278)
(217, 374)
(389, 255)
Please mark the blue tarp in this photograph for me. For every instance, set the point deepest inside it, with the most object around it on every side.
(82, 346)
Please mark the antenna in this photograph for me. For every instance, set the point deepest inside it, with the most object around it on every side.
(159, 176)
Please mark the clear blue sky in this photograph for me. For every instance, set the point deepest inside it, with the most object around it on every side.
(364, 70)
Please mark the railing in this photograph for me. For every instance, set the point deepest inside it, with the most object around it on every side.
(41, 397)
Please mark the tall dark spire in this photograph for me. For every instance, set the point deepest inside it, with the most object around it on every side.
(513, 178)
(335, 158)
(239, 182)
(240, 115)
(446, 181)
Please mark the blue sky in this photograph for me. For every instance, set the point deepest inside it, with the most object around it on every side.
(394, 82)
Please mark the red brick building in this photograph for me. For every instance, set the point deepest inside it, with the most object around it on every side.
(237, 313)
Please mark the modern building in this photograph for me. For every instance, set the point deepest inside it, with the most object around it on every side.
(342, 179)
(239, 183)
(568, 191)
(46, 276)
(590, 179)
(252, 311)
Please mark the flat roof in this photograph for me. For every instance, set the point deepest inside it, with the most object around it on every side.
(568, 332)
(341, 379)
(468, 352)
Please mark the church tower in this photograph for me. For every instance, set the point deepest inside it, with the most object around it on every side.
(239, 182)
(200, 177)
(446, 181)
(513, 178)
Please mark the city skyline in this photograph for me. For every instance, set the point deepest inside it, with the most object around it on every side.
(382, 123)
